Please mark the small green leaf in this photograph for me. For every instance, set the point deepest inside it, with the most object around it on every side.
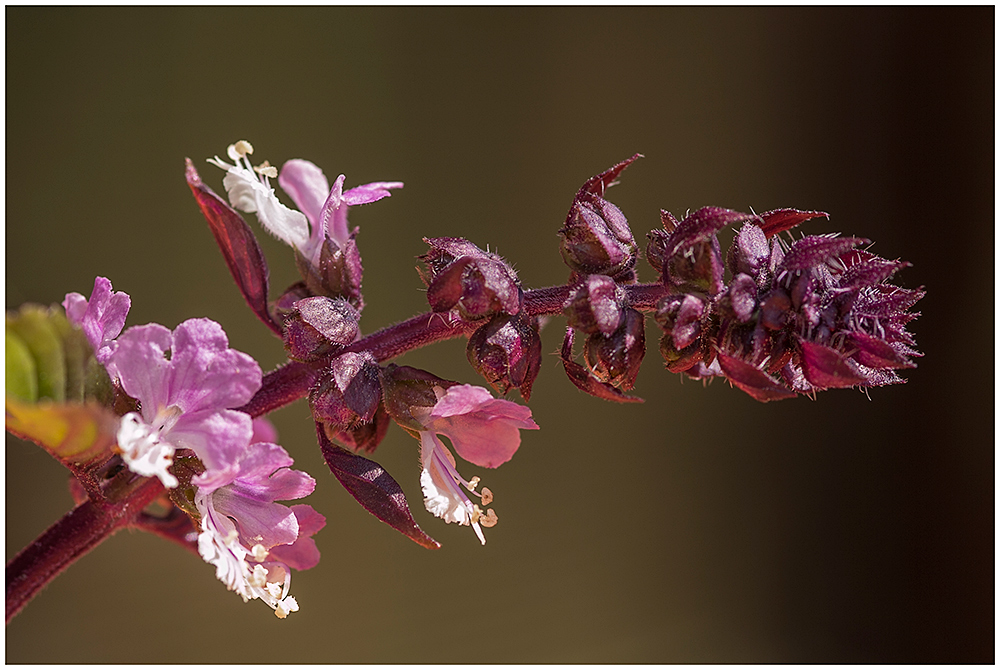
(76, 351)
(48, 357)
(20, 373)
(32, 325)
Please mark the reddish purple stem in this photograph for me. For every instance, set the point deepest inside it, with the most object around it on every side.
(293, 381)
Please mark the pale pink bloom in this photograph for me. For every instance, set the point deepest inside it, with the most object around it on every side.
(483, 430)
(325, 207)
(252, 540)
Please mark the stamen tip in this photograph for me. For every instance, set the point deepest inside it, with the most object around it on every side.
(489, 519)
(242, 148)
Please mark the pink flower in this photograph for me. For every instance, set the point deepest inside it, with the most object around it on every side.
(185, 382)
(484, 431)
(325, 207)
(101, 318)
(252, 540)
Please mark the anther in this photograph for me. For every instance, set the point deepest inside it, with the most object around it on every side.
(243, 148)
(285, 606)
(259, 577)
(489, 519)
(259, 552)
(487, 496)
(267, 170)
(473, 483)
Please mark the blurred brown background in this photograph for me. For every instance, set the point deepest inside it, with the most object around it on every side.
(700, 526)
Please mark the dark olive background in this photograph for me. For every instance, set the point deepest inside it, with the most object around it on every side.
(700, 526)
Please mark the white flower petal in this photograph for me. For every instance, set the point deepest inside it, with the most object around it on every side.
(443, 496)
(143, 451)
(248, 193)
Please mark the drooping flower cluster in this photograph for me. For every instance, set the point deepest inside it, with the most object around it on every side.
(184, 383)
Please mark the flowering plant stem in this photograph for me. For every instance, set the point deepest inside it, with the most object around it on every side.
(94, 520)
(290, 382)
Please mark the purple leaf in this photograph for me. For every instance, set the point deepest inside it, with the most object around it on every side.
(756, 383)
(814, 250)
(779, 220)
(876, 353)
(373, 488)
(239, 247)
(701, 225)
(827, 368)
(586, 382)
(869, 272)
(598, 184)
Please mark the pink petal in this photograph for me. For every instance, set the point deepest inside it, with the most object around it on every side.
(263, 431)
(461, 399)
(303, 553)
(143, 366)
(486, 443)
(218, 437)
(205, 373)
(483, 429)
(333, 217)
(264, 475)
(373, 192)
(259, 521)
(307, 186)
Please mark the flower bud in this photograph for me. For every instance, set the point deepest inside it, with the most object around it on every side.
(691, 257)
(680, 316)
(348, 394)
(615, 359)
(595, 305)
(657, 251)
(507, 352)
(317, 326)
(740, 298)
(679, 359)
(463, 277)
(405, 388)
(363, 437)
(749, 252)
(338, 273)
(596, 237)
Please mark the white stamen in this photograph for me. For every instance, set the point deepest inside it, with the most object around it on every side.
(143, 451)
